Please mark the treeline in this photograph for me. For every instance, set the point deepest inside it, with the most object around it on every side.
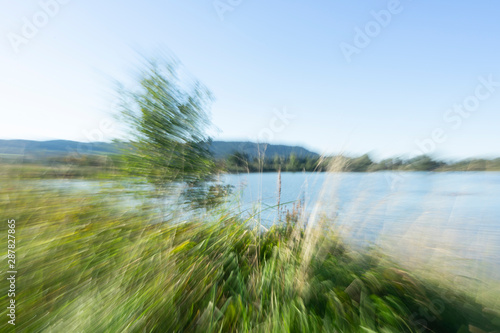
(239, 162)
(111, 165)
(61, 166)
(420, 163)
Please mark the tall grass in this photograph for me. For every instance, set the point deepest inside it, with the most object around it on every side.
(87, 263)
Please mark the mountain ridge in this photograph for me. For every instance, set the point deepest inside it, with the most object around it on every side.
(220, 149)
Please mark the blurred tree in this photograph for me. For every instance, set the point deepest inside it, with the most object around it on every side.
(277, 162)
(360, 164)
(293, 163)
(168, 119)
(424, 163)
(311, 163)
(239, 159)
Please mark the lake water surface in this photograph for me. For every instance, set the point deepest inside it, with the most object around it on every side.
(453, 215)
(446, 217)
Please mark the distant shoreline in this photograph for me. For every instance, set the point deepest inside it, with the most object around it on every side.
(229, 157)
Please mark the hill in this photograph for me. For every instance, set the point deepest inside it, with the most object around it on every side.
(54, 147)
(220, 149)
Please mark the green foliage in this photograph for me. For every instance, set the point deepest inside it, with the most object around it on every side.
(168, 119)
(360, 164)
(292, 163)
(241, 162)
(91, 264)
(424, 163)
(84, 166)
(203, 195)
(238, 160)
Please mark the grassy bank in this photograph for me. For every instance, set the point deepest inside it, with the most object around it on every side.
(57, 171)
(111, 166)
(89, 264)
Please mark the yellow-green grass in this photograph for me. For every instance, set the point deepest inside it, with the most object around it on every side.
(87, 263)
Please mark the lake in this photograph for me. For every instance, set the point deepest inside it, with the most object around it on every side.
(448, 217)
(452, 215)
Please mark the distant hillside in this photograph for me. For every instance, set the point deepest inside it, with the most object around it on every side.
(220, 149)
(54, 147)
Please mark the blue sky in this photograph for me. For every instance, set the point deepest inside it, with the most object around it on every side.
(264, 57)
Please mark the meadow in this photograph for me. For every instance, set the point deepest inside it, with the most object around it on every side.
(87, 263)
